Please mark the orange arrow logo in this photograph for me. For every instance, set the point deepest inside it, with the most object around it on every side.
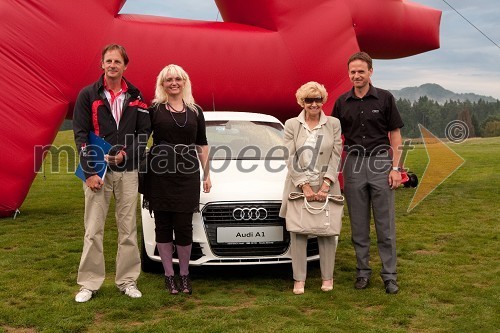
(443, 162)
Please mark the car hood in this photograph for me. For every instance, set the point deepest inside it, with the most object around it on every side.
(248, 180)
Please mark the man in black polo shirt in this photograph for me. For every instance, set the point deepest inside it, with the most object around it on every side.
(371, 127)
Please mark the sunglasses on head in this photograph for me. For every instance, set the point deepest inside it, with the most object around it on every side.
(310, 100)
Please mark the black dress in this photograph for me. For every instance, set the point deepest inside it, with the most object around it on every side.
(173, 178)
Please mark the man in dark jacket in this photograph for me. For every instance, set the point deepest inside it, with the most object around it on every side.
(113, 109)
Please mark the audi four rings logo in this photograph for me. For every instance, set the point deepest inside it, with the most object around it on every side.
(249, 214)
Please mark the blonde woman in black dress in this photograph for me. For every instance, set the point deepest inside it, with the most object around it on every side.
(179, 148)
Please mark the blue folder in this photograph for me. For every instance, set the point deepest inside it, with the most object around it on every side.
(96, 149)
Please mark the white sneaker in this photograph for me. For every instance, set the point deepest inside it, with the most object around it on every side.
(132, 291)
(84, 295)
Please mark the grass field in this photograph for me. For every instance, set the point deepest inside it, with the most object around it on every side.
(448, 252)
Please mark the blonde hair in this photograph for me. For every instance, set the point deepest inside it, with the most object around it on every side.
(308, 89)
(162, 97)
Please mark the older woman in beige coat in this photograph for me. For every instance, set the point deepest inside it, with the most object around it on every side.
(314, 144)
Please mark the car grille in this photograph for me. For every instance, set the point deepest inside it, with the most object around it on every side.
(217, 215)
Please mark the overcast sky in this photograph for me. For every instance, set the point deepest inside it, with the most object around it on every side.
(466, 62)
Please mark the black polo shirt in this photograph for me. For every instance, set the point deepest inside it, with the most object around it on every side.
(366, 122)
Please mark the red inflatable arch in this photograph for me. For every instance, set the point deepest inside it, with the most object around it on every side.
(253, 61)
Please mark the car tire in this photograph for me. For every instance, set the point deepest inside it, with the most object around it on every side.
(148, 265)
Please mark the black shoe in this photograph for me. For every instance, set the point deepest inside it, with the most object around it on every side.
(361, 283)
(170, 285)
(391, 287)
(186, 285)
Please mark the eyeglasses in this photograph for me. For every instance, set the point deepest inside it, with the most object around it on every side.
(310, 100)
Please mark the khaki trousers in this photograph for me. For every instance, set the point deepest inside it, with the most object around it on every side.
(327, 249)
(91, 273)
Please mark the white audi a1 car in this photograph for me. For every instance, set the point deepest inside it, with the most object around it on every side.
(238, 222)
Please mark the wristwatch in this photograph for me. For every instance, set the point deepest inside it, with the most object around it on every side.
(398, 169)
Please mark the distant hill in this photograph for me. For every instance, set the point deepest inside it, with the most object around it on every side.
(437, 93)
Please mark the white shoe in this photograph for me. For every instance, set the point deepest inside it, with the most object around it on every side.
(84, 295)
(132, 291)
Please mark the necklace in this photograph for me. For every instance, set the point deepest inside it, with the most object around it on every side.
(170, 108)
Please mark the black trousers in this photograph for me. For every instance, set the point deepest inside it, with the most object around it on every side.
(168, 223)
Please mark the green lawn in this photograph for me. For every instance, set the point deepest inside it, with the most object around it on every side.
(448, 252)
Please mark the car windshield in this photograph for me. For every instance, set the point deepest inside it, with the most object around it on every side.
(245, 140)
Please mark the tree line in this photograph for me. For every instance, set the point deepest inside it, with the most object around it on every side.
(482, 118)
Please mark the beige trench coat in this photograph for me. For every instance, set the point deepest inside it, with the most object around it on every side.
(327, 160)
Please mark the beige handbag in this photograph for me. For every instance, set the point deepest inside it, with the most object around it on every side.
(314, 218)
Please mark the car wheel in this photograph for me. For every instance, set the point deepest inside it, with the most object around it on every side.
(148, 265)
